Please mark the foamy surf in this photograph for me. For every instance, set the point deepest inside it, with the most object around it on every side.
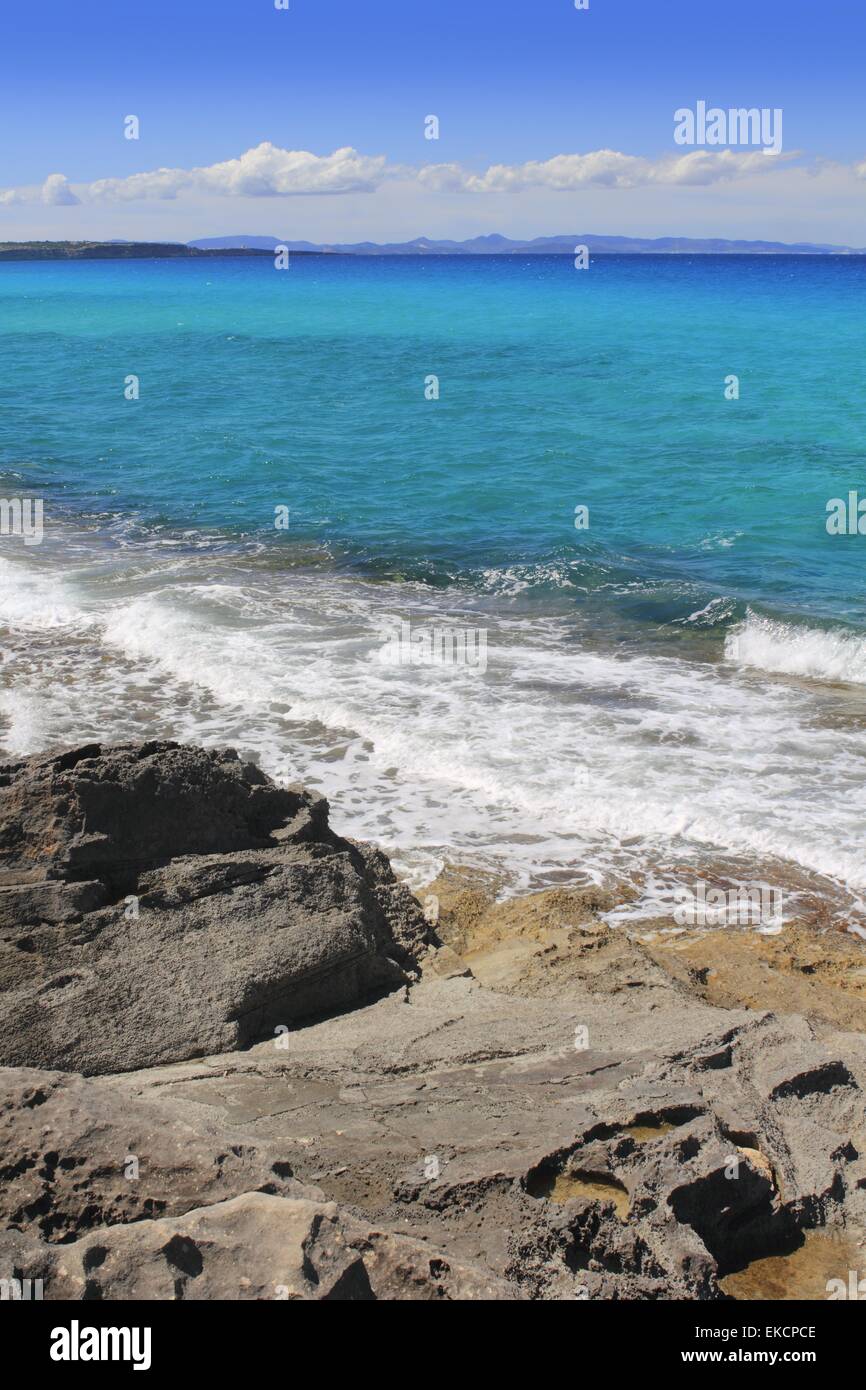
(557, 763)
(34, 601)
(831, 654)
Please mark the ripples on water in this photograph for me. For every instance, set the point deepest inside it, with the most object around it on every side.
(684, 683)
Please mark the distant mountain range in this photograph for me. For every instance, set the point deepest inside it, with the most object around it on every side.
(493, 245)
(496, 245)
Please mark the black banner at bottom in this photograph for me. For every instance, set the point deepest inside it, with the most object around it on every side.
(78, 1339)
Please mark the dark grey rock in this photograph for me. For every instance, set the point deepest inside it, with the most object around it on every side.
(158, 902)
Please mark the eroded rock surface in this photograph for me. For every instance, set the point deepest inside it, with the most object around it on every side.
(74, 1155)
(262, 1247)
(159, 902)
(557, 1109)
(664, 1150)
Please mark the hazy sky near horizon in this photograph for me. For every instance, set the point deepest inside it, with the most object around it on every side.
(230, 93)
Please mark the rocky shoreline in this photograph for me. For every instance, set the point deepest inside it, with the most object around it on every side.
(238, 1061)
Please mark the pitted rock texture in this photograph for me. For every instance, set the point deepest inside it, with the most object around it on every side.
(674, 1145)
(74, 1154)
(159, 902)
(262, 1247)
(105, 1196)
(556, 1109)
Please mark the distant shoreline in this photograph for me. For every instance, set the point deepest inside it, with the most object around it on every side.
(18, 257)
(423, 248)
(105, 251)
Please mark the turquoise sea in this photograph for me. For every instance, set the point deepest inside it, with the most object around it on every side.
(681, 683)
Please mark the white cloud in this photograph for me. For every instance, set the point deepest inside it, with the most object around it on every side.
(160, 183)
(606, 168)
(56, 191)
(263, 172)
(267, 171)
(702, 167)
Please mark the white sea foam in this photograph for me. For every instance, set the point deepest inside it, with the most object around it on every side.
(557, 761)
(33, 600)
(785, 649)
(718, 610)
(582, 749)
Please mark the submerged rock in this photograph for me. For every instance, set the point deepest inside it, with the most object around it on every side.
(159, 902)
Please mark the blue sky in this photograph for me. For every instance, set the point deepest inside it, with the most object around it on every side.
(511, 82)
